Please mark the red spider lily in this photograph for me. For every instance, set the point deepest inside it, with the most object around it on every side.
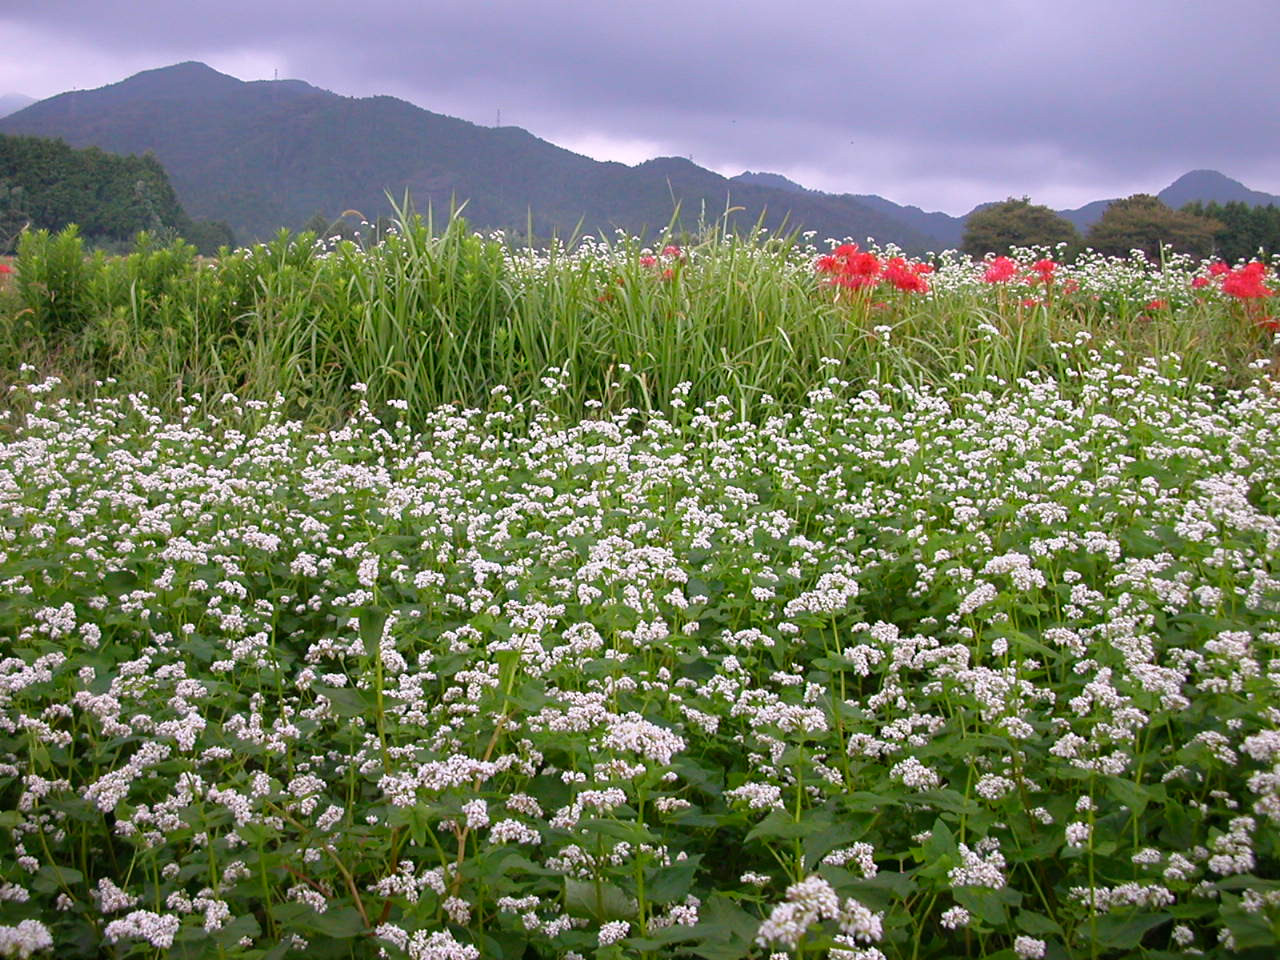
(853, 269)
(1070, 286)
(1218, 269)
(1157, 304)
(1199, 283)
(1030, 302)
(850, 267)
(906, 276)
(668, 273)
(648, 260)
(1270, 324)
(1045, 268)
(5, 268)
(1000, 270)
(672, 252)
(1246, 282)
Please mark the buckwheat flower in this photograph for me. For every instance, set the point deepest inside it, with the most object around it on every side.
(1078, 834)
(440, 945)
(632, 732)
(857, 921)
(1028, 948)
(24, 939)
(111, 898)
(513, 831)
(914, 774)
(458, 910)
(807, 902)
(757, 796)
(755, 879)
(978, 870)
(992, 787)
(330, 817)
(979, 596)
(308, 895)
(613, 931)
(955, 917)
(477, 813)
(861, 853)
(155, 928)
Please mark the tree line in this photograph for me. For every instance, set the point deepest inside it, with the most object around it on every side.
(46, 184)
(1231, 231)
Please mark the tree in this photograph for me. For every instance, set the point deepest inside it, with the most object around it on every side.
(1143, 222)
(1015, 223)
(207, 236)
(1246, 231)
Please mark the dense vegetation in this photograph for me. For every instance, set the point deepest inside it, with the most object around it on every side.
(1244, 230)
(46, 185)
(741, 599)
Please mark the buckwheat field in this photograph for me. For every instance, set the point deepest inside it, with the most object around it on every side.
(725, 599)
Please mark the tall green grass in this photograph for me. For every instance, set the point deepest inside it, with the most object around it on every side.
(437, 314)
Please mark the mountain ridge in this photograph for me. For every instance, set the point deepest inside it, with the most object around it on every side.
(264, 154)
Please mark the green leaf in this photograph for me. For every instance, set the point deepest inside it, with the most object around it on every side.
(818, 843)
(602, 900)
(989, 906)
(779, 825)
(670, 884)
(1125, 933)
(339, 923)
(1135, 796)
(347, 701)
(1034, 923)
(371, 623)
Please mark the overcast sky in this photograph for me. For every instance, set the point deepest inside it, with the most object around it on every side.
(939, 103)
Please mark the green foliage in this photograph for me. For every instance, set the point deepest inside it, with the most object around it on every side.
(1143, 222)
(1000, 228)
(49, 185)
(52, 278)
(439, 314)
(209, 236)
(1246, 231)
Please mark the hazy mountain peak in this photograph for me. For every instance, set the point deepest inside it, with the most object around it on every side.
(1210, 186)
(764, 179)
(13, 102)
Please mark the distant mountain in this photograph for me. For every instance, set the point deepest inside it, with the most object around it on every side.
(775, 180)
(1210, 186)
(1086, 216)
(13, 102)
(266, 154)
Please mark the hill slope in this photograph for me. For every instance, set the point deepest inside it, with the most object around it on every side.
(265, 154)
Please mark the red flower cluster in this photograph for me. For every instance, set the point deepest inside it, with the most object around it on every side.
(853, 269)
(1003, 269)
(670, 254)
(1044, 270)
(1000, 270)
(1245, 283)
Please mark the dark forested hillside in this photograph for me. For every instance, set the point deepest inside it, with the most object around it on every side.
(266, 154)
(45, 184)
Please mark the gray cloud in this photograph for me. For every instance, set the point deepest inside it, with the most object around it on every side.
(942, 104)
